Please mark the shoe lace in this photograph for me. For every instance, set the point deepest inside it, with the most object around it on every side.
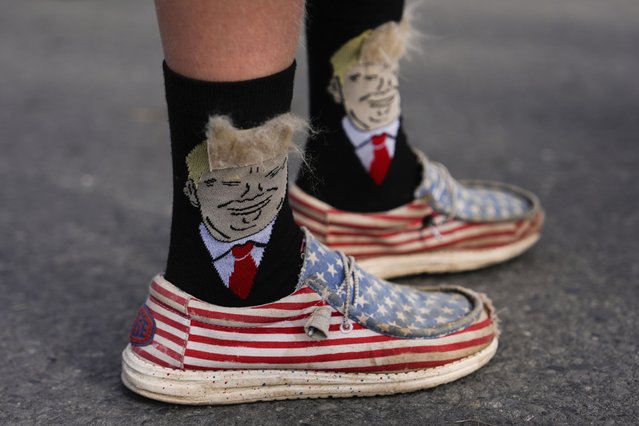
(351, 286)
(452, 188)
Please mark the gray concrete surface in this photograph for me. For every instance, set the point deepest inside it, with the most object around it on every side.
(539, 93)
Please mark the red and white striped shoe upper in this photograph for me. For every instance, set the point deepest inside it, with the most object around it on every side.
(187, 333)
(405, 230)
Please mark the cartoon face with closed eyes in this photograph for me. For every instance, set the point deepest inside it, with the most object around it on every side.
(370, 95)
(365, 75)
(240, 201)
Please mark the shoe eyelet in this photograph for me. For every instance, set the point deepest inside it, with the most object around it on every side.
(346, 327)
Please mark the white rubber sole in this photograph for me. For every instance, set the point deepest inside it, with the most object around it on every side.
(444, 261)
(242, 386)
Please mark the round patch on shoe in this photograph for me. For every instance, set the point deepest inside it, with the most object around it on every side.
(143, 328)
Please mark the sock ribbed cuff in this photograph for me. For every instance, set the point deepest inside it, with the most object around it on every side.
(200, 99)
(371, 13)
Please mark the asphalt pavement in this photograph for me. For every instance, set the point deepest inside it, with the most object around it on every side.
(543, 94)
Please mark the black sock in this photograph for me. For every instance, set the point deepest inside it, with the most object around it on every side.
(248, 104)
(336, 175)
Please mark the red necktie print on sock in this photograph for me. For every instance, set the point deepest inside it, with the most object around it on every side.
(244, 269)
(381, 159)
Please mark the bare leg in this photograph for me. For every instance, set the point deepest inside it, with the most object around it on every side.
(229, 40)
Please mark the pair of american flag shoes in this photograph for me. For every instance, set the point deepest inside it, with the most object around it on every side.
(343, 332)
(451, 226)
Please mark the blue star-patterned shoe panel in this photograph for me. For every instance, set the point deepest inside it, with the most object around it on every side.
(472, 201)
(385, 307)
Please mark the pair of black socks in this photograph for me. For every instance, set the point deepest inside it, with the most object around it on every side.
(335, 175)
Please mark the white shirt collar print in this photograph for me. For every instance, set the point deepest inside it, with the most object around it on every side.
(219, 249)
(360, 137)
